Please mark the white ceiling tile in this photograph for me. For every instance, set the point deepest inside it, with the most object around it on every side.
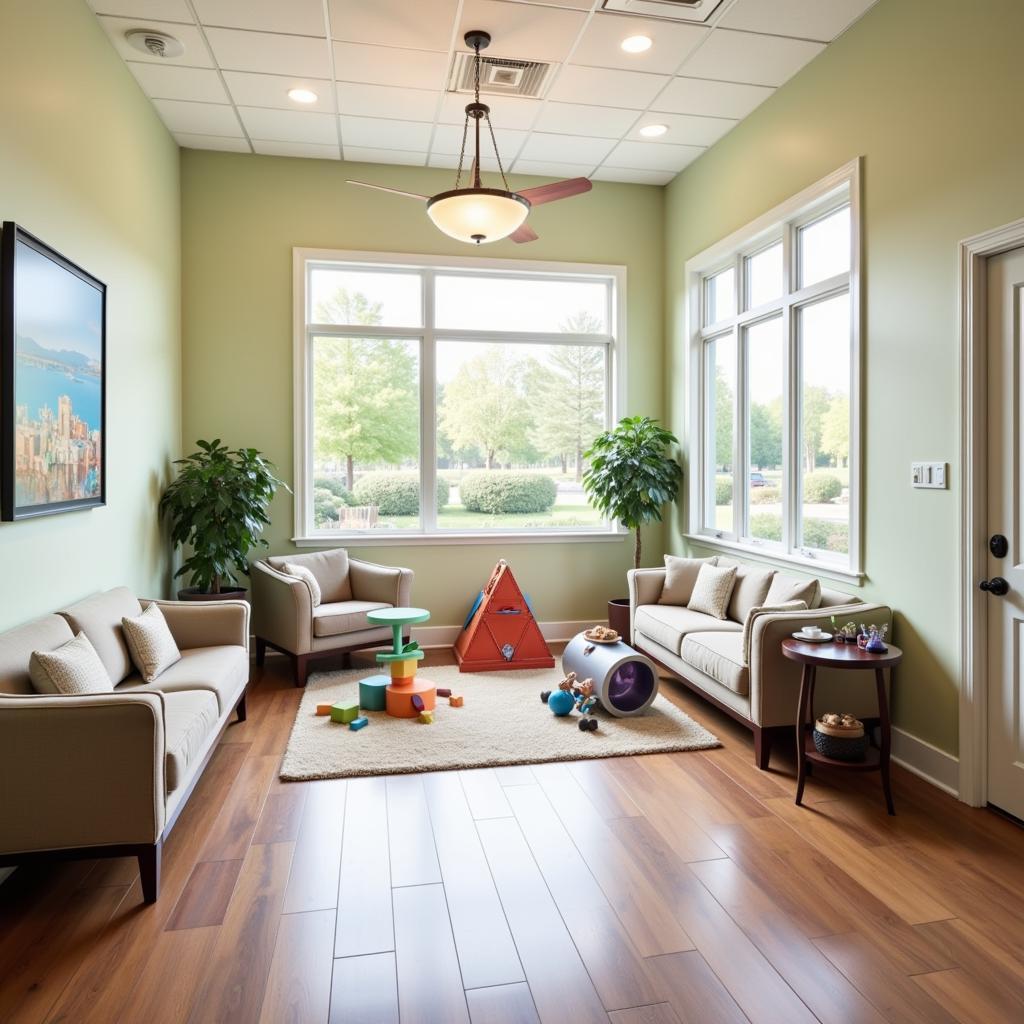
(577, 5)
(566, 148)
(379, 133)
(196, 54)
(671, 43)
(251, 90)
(297, 17)
(599, 122)
(451, 160)
(199, 118)
(804, 19)
(386, 101)
(157, 10)
(448, 139)
(269, 53)
(750, 57)
(652, 156)
(506, 111)
(712, 99)
(606, 88)
(553, 169)
(633, 176)
(288, 125)
(522, 31)
(171, 82)
(316, 151)
(187, 141)
(687, 129)
(384, 65)
(369, 155)
(419, 25)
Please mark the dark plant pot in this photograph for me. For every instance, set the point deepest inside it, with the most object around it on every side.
(618, 616)
(195, 594)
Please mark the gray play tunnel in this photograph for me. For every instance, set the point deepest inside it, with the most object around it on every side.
(624, 680)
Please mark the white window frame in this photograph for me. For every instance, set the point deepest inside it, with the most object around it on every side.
(306, 535)
(841, 187)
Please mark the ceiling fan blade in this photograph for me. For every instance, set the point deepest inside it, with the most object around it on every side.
(556, 190)
(384, 188)
(524, 233)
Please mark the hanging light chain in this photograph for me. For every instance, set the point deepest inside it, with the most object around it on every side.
(494, 143)
(462, 152)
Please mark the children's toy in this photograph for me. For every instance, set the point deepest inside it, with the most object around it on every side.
(417, 702)
(344, 713)
(401, 661)
(323, 709)
(586, 699)
(445, 692)
(588, 724)
(455, 700)
(500, 631)
(427, 717)
(544, 694)
(373, 693)
(625, 682)
(358, 723)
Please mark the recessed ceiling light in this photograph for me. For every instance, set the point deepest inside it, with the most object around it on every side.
(302, 95)
(636, 44)
(652, 131)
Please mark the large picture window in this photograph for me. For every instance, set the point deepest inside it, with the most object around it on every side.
(451, 399)
(775, 382)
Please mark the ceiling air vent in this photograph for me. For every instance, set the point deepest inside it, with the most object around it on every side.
(671, 10)
(499, 76)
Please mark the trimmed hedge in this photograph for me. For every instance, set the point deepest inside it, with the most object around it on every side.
(723, 492)
(336, 486)
(820, 488)
(326, 504)
(766, 526)
(395, 494)
(495, 491)
(827, 535)
(765, 496)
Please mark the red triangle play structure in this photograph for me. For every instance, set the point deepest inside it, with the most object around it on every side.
(501, 631)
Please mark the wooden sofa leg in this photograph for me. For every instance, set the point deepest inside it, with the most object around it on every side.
(762, 746)
(240, 708)
(301, 668)
(261, 652)
(149, 870)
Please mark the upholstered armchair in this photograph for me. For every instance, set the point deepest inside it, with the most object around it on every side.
(287, 617)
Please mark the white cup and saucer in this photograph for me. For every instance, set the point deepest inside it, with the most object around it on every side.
(813, 634)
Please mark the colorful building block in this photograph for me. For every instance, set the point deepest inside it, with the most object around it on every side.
(417, 702)
(443, 692)
(344, 712)
(357, 723)
(323, 709)
(373, 693)
(404, 669)
(455, 700)
(426, 717)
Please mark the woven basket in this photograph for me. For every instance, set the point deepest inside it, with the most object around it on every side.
(849, 744)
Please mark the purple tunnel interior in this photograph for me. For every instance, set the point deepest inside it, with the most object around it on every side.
(631, 686)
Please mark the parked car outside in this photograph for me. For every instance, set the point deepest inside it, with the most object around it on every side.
(758, 480)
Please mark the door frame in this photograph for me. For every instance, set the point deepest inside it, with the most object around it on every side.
(975, 253)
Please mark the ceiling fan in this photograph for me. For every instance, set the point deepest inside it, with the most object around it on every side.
(476, 214)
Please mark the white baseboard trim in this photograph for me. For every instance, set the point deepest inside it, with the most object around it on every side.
(445, 636)
(926, 761)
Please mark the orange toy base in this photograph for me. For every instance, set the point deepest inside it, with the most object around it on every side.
(399, 698)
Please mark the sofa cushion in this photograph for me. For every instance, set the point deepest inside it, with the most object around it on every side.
(150, 643)
(329, 567)
(755, 613)
(190, 718)
(667, 625)
(223, 671)
(99, 618)
(73, 668)
(833, 598)
(719, 655)
(713, 589)
(343, 617)
(17, 645)
(307, 577)
(750, 590)
(794, 588)
(680, 576)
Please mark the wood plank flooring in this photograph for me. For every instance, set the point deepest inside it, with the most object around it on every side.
(667, 889)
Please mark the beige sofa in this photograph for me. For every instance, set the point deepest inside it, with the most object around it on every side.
(285, 618)
(737, 664)
(106, 775)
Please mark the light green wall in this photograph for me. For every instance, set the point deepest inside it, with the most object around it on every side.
(928, 92)
(241, 217)
(87, 166)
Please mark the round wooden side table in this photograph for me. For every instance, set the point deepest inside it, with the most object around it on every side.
(840, 656)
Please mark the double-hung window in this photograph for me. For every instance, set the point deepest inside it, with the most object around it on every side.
(446, 398)
(775, 382)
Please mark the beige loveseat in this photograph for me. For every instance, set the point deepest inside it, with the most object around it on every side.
(106, 774)
(736, 663)
(286, 619)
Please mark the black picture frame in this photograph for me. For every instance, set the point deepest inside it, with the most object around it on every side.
(61, 443)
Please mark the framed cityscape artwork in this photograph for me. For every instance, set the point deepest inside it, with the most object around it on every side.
(52, 380)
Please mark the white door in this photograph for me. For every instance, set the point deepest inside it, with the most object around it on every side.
(1006, 518)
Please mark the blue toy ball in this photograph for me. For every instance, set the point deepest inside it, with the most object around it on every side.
(561, 702)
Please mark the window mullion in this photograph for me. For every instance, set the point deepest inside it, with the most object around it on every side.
(428, 410)
(741, 475)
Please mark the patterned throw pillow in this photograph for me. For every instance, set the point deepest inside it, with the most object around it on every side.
(680, 577)
(73, 668)
(308, 578)
(712, 590)
(150, 643)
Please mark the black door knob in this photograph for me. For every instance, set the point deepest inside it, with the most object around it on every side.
(996, 586)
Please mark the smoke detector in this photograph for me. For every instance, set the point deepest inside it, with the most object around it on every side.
(154, 44)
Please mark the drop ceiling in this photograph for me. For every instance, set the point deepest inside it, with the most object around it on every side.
(380, 71)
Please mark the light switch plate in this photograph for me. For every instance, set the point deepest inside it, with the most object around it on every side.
(931, 475)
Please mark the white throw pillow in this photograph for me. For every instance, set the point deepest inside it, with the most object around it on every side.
(73, 668)
(680, 577)
(755, 613)
(712, 590)
(302, 573)
(150, 643)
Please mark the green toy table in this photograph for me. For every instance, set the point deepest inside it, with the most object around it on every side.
(396, 618)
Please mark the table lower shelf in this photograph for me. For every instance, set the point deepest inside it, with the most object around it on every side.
(871, 763)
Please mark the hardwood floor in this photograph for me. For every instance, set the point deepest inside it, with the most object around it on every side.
(666, 889)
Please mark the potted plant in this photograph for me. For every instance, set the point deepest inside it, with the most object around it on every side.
(630, 477)
(217, 505)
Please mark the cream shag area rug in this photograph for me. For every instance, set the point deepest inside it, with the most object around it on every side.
(502, 722)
